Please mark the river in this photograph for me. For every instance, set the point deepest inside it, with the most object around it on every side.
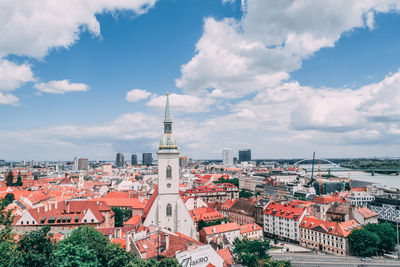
(383, 179)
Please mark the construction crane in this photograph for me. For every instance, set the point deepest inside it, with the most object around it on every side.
(319, 177)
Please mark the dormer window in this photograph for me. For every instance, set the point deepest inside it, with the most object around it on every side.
(169, 172)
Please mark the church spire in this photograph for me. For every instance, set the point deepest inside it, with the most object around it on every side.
(167, 113)
(167, 142)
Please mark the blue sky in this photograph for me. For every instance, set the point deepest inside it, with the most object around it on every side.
(89, 80)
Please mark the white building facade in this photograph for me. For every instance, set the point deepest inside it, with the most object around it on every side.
(227, 157)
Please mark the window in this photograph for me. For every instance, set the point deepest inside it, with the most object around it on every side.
(169, 172)
(169, 210)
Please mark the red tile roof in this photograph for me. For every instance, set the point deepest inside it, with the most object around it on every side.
(284, 211)
(226, 254)
(221, 228)
(135, 220)
(250, 228)
(205, 214)
(366, 213)
(342, 229)
(328, 199)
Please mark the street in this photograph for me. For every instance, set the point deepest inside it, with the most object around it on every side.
(313, 260)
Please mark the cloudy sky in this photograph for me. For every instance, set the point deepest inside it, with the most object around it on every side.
(283, 78)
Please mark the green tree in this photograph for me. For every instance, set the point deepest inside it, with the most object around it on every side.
(8, 199)
(245, 194)
(363, 243)
(68, 255)
(9, 179)
(250, 253)
(201, 224)
(7, 244)
(106, 253)
(234, 181)
(121, 216)
(36, 248)
(19, 180)
(386, 233)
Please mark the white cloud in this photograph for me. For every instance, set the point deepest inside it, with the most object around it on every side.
(185, 103)
(46, 24)
(61, 87)
(237, 57)
(8, 99)
(13, 76)
(137, 94)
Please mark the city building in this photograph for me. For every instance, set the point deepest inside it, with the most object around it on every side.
(364, 215)
(387, 206)
(183, 162)
(250, 182)
(65, 215)
(214, 193)
(227, 157)
(106, 168)
(327, 237)
(120, 161)
(244, 155)
(167, 209)
(251, 231)
(242, 212)
(149, 242)
(282, 220)
(147, 159)
(134, 160)
(83, 164)
(227, 231)
(359, 198)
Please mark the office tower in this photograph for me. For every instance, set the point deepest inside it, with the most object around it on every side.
(147, 158)
(235, 160)
(120, 161)
(244, 155)
(83, 164)
(227, 156)
(134, 160)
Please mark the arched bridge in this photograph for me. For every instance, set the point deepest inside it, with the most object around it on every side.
(324, 160)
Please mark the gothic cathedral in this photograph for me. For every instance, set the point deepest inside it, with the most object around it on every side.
(168, 210)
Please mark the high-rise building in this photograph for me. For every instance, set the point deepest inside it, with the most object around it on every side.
(167, 209)
(134, 160)
(244, 155)
(120, 161)
(183, 162)
(147, 158)
(227, 156)
(75, 168)
(83, 164)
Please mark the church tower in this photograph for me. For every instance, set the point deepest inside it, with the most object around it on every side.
(168, 210)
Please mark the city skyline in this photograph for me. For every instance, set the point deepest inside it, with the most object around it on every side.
(94, 84)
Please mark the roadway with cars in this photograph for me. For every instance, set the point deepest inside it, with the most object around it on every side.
(313, 260)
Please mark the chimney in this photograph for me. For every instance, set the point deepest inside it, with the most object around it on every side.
(214, 229)
(45, 208)
(166, 241)
(49, 206)
(55, 205)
